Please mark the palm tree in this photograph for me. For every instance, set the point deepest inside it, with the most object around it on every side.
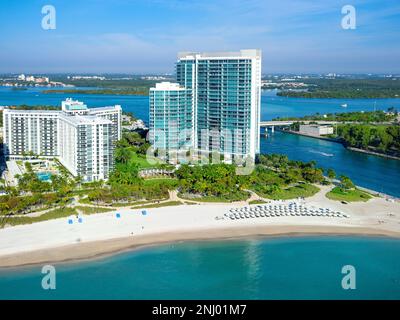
(346, 182)
(122, 155)
(331, 174)
(78, 181)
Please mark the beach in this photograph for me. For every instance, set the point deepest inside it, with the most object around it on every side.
(104, 233)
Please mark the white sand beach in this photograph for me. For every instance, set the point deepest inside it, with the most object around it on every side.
(104, 233)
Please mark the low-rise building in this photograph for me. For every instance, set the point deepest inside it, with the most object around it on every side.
(315, 129)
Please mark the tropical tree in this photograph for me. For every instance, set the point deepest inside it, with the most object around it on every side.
(122, 155)
(346, 182)
(331, 174)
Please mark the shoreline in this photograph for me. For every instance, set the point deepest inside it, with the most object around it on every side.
(103, 234)
(310, 136)
(373, 153)
(387, 156)
(102, 249)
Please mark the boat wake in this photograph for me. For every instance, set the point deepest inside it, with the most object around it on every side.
(322, 153)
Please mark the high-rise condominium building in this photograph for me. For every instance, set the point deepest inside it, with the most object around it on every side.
(171, 117)
(226, 98)
(81, 138)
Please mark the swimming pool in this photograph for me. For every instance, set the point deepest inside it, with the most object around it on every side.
(44, 176)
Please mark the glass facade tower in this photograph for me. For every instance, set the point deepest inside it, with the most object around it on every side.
(171, 117)
(226, 100)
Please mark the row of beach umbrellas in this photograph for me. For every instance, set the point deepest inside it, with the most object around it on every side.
(278, 210)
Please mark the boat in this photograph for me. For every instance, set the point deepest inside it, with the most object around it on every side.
(344, 105)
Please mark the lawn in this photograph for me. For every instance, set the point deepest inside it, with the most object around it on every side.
(53, 214)
(257, 202)
(301, 190)
(126, 204)
(159, 205)
(141, 161)
(92, 210)
(353, 195)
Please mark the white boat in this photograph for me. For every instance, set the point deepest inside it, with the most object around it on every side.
(344, 105)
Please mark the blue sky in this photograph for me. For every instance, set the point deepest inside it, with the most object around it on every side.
(129, 36)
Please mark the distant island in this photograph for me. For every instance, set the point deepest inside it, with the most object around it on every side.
(346, 89)
(140, 91)
(138, 85)
(368, 116)
(341, 94)
(310, 86)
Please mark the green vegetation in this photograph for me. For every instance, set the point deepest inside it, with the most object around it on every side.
(364, 117)
(346, 183)
(159, 205)
(121, 86)
(128, 193)
(124, 185)
(375, 131)
(134, 203)
(19, 205)
(140, 91)
(210, 182)
(331, 174)
(257, 202)
(347, 88)
(382, 139)
(54, 214)
(346, 191)
(274, 176)
(132, 149)
(277, 177)
(141, 161)
(341, 194)
(171, 183)
(121, 83)
(301, 190)
(239, 196)
(92, 210)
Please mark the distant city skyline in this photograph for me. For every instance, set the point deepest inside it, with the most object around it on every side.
(143, 37)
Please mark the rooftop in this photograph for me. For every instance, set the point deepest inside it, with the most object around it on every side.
(84, 119)
(94, 109)
(70, 104)
(247, 53)
(167, 86)
(38, 111)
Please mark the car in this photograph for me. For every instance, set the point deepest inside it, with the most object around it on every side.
(344, 202)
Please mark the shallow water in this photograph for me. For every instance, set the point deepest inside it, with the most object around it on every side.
(265, 268)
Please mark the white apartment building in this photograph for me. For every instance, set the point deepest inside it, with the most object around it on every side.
(26, 131)
(86, 146)
(81, 138)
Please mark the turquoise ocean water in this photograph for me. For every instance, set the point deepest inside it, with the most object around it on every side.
(271, 268)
